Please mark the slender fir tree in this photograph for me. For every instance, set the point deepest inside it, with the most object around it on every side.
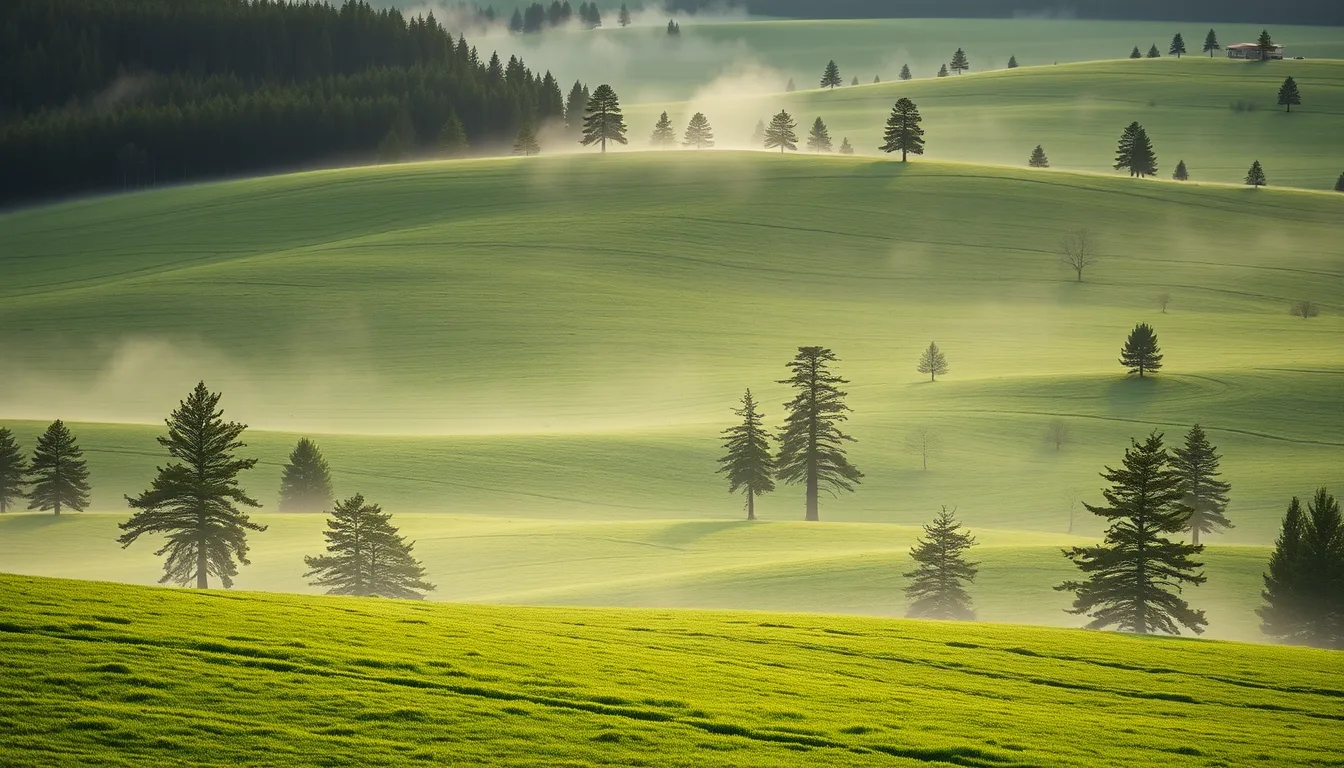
(937, 588)
(904, 133)
(959, 62)
(1181, 173)
(59, 478)
(13, 471)
(1135, 576)
(366, 555)
(305, 480)
(811, 445)
(1339, 185)
(1255, 177)
(623, 18)
(1134, 54)
(1196, 463)
(602, 121)
(932, 362)
(819, 139)
(758, 135)
(790, 87)
(1141, 354)
(1153, 53)
(574, 104)
(1265, 44)
(942, 70)
(1135, 152)
(831, 77)
(1177, 48)
(699, 134)
(780, 133)
(1012, 62)
(1304, 588)
(749, 465)
(905, 72)
(1289, 95)
(845, 147)
(1038, 158)
(664, 135)
(1211, 43)
(526, 142)
(195, 503)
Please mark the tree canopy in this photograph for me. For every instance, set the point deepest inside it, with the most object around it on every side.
(937, 584)
(811, 445)
(366, 555)
(780, 133)
(903, 133)
(1038, 158)
(1140, 354)
(819, 139)
(959, 62)
(526, 142)
(1135, 153)
(305, 480)
(1289, 96)
(59, 476)
(13, 470)
(1304, 586)
(932, 362)
(663, 134)
(1196, 464)
(1211, 43)
(748, 463)
(699, 134)
(1181, 173)
(1177, 46)
(1255, 177)
(830, 78)
(602, 121)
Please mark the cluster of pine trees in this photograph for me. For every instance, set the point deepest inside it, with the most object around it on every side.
(56, 477)
(537, 17)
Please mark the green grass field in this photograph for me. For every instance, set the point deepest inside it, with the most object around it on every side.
(109, 675)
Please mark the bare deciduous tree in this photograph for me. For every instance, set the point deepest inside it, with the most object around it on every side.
(1057, 433)
(1163, 299)
(924, 443)
(1079, 251)
(1304, 309)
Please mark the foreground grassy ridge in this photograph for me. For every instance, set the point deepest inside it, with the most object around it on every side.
(116, 675)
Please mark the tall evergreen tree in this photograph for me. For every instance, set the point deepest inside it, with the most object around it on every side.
(602, 121)
(749, 465)
(366, 555)
(1038, 158)
(819, 139)
(845, 147)
(780, 133)
(13, 470)
(1255, 177)
(1181, 173)
(1289, 95)
(758, 134)
(877, 79)
(1211, 43)
(1153, 53)
(305, 480)
(942, 70)
(831, 77)
(811, 445)
(1012, 62)
(959, 62)
(937, 587)
(525, 143)
(699, 133)
(574, 104)
(1177, 46)
(452, 138)
(59, 478)
(855, 81)
(195, 503)
(1265, 44)
(1135, 152)
(663, 134)
(1304, 588)
(1196, 463)
(1134, 54)
(1135, 575)
(904, 133)
(623, 18)
(932, 362)
(905, 72)
(516, 22)
(1141, 354)
(1285, 614)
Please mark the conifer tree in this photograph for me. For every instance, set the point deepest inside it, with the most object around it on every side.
(937, 587)
(758, 135)
(526, 142)
(905, 72)
(1284, 614)
(1289, 95)
(811, 445)
(516, 22)
(1141, 354)
(663, 134)
(855, 81)
(904, 133)
(602, 121)
(366, 555)
(1038, 158)
(305, 480)
(1012, 62)
(749, 465)
(13, 470)
(845, 147)
(452, 139)
(1255, 177)
(1135, 575)
(1134, 54)
(1153, 52)
(1304, 588)
(1339, 185)
(790, 87)
(959, 62)
(1177, 46)
(195, 503)
(59, 478)
(624, 17)
(877, 79)
(780, 133)
(673, 28)
(574, 104)
(831, 77)
(942, 70)
(1265, 44)
(1211, 43)
(1196, 463)
(932, 362)
(1135, 152)
(819, 139)
(1181, 173)
(699, 134)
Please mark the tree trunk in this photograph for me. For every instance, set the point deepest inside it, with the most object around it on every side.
(202, 580)
(1194, 530)
(812, 513)
(751, 505)
(58, 505)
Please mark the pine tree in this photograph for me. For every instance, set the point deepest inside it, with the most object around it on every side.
(819, 139)
(1153, 52)
(855, 81)
(1255, 177)
(845, 147)
(905, 72)
(1141, 354)
(1181, 174)
(366, 555)
(516, 22)
(59, 476)
(195, 502)
(780, 133)
(699, 134)
(1285, 612)
(452, 139)
(663, 134)
(1265, 44)
(602, 120)
(1289, 95)
(790, 87)
(1196, 463)
(959, 62)
(1137, 572)
(1211, 43)
(13, 470)
(1012, 62)
(1135, 152)
(1177, 46)
(624, 17)
(942, 70)
(904, 133)
(831, 77)
(758, 135)
(526, 142)
(1038, 158)
(1339, 185)
(1134, 54)
(1304, 588)
(936, 589)
(574, 104)
(877, 79)
(305, 481)
(749, 465)
(811, 445)
(932, 362)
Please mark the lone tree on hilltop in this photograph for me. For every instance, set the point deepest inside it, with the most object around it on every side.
(845, 147)
(1264, 44)
(749, 465)
(305, 481)
(1304, 588)
(1304, 309)
(59, 476)
(699, 134)
(1181, 173)
(780, 133)
(904, 133)
(1134, 54)
(623, 18)
(1135, 575)
(959, 62)
(1134, 152)
(1196, 464)
(602, 121)
(905, 72)
(195, 503)
(1255, 177)
(366, 555)
(1012, 62)
(811, 445)
(932, 362)
(1289, 95)
(942, 70)
(1057, 433)
(924, 443)
(1078, 251)
(1211, 43)
(526, 143)
(1153, 53)
(1141, 354)
(937, 588)
(1038, 158)
(819, 139)
(13, 470)
(831, 77)
(663, 134)
(1177, 46)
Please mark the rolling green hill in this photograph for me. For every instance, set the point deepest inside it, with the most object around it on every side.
(116, 675)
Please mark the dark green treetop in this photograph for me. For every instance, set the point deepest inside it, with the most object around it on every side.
(13, 470)
(942, 70)
(819, 139)
(904, 133)
(1289, 95)
(1177, 46)
(1012, 62)
(1181, 173)
(1265, 44)
(305, 480)
(937, 587)
(831, 77)
(59, 477)
(1153, 53)
(748, 464)
(1196, 463)
(905, 72)
(1038, 158)
(1134, 152)
(845, 147)
(1255, 177)
(1134, 54)
(574, 104)
(1141, 354)
(1304, 587)
(366, 555)
(1211, 43)
(959, 62)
